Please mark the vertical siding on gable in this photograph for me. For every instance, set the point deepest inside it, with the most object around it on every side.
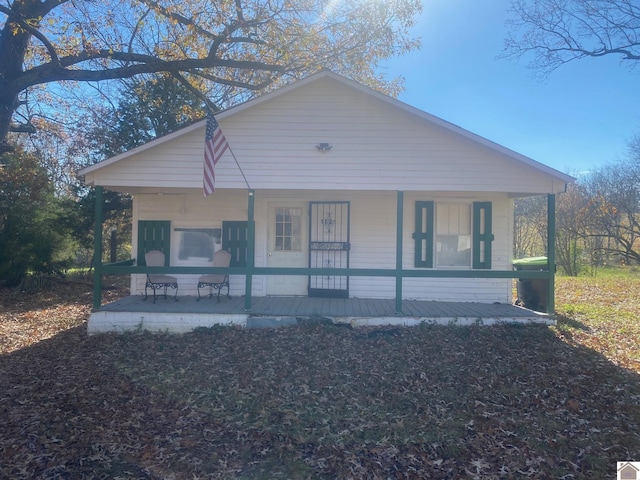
(375, 146)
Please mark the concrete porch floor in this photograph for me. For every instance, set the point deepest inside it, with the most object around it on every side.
(133, 312)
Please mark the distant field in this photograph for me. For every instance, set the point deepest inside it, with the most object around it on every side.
(602, 312)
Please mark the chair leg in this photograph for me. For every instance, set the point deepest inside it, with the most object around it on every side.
(164, 292)
(214, 286)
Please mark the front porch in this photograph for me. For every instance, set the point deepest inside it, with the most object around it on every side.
(133, 312)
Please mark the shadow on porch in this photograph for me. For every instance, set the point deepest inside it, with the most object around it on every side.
(134, 312)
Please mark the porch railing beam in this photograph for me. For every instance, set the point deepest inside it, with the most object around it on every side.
(118, 269)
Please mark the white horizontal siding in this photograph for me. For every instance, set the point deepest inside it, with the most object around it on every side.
(373, 246)
(479, 290)
(376, 146)
(373, 238)
(191, 209)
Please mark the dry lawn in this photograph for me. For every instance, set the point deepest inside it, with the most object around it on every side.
(322, 402)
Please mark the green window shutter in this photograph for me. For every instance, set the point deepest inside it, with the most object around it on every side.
(154, 235)
(423, 235)
(482, 235)
(235, 240)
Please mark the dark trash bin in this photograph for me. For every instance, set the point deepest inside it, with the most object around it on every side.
(532, 292)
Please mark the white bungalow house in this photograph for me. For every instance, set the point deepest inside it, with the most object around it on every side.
(380, 199)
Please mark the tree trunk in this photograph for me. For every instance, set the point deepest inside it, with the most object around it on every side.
(14, 40)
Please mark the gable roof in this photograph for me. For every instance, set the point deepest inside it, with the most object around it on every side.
(325, 75)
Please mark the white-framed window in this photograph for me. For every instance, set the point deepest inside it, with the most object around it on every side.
(288, 237)
(195, 246)
(453, 235)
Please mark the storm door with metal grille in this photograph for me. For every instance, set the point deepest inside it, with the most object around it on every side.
(329, 247)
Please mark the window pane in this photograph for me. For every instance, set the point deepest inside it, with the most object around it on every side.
(288, 231)
(464, 220)
(453, 235)
(197, 243)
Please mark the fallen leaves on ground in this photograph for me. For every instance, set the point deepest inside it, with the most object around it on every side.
(313, 401)
(603, 313)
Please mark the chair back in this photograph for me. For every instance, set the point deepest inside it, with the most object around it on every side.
(221, 258)
(154, 258)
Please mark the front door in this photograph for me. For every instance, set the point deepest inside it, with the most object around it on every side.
(329, 245)
(287, 242)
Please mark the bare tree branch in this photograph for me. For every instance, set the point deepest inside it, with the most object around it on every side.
(236, 47)
(555, 32)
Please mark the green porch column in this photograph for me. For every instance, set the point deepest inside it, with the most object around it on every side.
(97, 250)
(551, 251)
(251, 248)
(399, 223)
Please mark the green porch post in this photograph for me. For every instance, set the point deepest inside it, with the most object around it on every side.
(399, 223)
(551, 251)
(251, 246)
(97, 250)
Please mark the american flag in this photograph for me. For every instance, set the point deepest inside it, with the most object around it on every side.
(215, 145)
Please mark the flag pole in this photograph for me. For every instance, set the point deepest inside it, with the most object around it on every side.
(239, 167)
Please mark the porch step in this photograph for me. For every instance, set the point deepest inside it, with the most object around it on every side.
(264, 321)
(133, 313)
(271, 322)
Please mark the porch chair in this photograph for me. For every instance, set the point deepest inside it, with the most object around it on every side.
(221, 258)
(155, 281)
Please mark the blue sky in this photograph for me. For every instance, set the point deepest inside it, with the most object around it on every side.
(579, 118)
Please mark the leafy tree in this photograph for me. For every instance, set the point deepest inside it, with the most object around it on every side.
(614, 208)
(571, 229)
(80, 219)
(149, 107)
(556, 32)
(31, 234)
(223, 49)
(530, 227)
